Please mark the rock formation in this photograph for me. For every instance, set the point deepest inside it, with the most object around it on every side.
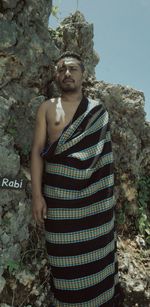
(28, 50)
(27, 54)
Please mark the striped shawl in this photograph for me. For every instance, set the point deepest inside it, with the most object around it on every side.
(78, 189)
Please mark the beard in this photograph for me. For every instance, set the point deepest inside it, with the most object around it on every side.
(69, 87)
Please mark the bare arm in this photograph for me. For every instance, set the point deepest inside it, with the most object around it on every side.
(38, 202)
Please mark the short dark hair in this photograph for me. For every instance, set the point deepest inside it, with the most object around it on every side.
(71, 54)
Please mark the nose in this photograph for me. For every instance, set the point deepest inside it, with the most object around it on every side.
(67, 73)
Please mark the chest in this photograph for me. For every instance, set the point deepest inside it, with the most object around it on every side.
(57, 119)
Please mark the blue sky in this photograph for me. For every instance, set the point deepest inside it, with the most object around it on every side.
(121, 38)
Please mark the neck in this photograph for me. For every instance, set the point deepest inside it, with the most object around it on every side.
(72, 97)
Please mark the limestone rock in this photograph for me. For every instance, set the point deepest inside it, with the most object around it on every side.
(2, 283)
(9, 162)
(8, 34)
(10, 4)
(27, 63)
(25, 278)
(130, 136)
(75, 34)
(8, 197)
(4, 111)
(7, 141)
(134, 276)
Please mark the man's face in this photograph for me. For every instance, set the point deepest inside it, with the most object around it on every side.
(69, 74)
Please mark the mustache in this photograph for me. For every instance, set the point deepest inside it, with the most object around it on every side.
(68, 79)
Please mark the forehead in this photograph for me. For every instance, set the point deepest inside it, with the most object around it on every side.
(68, 61)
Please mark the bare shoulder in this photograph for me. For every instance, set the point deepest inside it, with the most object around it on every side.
(50, 106)
(51, 102)
(45, 106)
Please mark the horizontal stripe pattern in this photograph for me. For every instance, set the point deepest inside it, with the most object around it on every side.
(78, 213)
(82, 259)
(73, 173)
(105, 297)
(81, 270)
(79, 229)
(92, 151)
(84, 282)
(75, 224)
(59, 193)
(79, 236)
(80, 247)
(102, 120)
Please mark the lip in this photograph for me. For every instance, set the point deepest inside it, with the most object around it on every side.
(68, 80)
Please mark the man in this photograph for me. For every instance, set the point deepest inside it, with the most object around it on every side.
(72, 145)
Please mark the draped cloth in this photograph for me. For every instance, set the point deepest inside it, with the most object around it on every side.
(80, 232)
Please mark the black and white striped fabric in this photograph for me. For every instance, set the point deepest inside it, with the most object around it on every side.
(78, 189)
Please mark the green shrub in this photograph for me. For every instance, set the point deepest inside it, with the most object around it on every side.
(143, 218)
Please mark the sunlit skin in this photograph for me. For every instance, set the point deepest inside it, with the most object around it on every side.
(69, 75)
(52, 117)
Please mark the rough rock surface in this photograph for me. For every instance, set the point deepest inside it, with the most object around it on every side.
(130, 136)
(27, 54)
(26, 65)
(134, 271)
(28, 50)
(74, 33)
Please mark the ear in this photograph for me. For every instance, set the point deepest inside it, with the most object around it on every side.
(84, 75)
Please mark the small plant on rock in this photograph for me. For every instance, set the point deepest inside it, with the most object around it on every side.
(143, 219)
